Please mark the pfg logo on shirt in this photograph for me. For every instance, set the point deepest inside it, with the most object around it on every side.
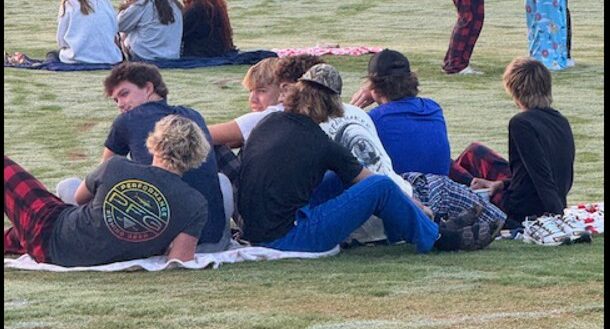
(136, 211)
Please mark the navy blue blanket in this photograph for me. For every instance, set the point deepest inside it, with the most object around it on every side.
(245, 57)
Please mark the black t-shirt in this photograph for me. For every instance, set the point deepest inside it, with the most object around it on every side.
(136, 212)
(283, 161)
(541, 155)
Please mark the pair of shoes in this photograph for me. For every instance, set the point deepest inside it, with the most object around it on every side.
(544, 231)
(469, 70)
(570, 62)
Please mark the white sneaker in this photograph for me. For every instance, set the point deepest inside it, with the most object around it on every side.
(469, 70)
(570, 62)
(544, 231)
(574, 228)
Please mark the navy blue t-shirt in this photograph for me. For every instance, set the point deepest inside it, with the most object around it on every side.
(128, 134)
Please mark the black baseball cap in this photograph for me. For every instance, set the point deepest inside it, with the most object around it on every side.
(388, 63)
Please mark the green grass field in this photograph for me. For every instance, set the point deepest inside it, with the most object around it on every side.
(55, 125)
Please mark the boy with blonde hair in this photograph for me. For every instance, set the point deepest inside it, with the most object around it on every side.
(263, 85)
(128, 210)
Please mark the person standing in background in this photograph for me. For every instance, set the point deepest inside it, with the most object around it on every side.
(466, 30)
(549, 33)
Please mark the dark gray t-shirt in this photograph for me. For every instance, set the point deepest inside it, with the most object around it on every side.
(136, 212)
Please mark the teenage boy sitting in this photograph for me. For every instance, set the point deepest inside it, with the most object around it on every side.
(539, 172)
(141, 96)
(128, 210)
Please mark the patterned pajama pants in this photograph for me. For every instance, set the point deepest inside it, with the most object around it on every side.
(465, 34)
(32, 210)
(480, 161)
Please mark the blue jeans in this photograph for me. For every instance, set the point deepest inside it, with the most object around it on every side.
(321, 227)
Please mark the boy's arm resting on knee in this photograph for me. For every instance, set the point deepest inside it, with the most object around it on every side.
(82, 194)
(182, 247)
(364, 173)
(226, 133)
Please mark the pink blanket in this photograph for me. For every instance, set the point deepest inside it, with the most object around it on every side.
(326, 50)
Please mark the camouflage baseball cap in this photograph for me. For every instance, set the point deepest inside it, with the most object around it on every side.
(326, 76)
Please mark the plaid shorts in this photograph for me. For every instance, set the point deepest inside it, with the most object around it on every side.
(447, 198)
(32, 210)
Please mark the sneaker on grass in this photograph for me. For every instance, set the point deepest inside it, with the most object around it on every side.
(468, 70)
(544, 231)
(575, 229)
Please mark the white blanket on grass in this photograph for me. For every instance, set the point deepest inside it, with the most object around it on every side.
(235, 254)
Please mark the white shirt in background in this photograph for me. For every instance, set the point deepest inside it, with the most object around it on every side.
(88, 38)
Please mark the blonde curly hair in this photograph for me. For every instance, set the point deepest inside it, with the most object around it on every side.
(179, 143)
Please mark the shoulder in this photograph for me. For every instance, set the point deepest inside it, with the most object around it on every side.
(70, 6)
(186, 111)
(521, 120)
(254, 117)
(116, 163)
(352, 110)
(429, 101)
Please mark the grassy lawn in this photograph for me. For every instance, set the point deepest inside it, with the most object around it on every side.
(55, 125)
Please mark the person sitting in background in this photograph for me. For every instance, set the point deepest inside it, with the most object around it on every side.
(412, 129)
(539, 172)
(127, 210)
(86, 33)
(206, 29)
(151, 29)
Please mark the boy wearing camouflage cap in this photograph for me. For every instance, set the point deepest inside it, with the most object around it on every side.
(285, 158)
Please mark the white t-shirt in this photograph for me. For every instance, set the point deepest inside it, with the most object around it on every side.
(88, 38)
(248, 121)
(356, 131)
